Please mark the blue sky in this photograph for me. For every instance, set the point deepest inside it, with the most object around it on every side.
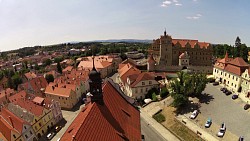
(43, 22)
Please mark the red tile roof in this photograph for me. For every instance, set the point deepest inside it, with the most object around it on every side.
(238, 62)
(30, 75)
(237, 66)
(13, 120)
(5, 128)
(141, 77)
(183, 43)
(116, 120)
(67, 69)
(59, 91)
(19, 95)
(126, 71)
(36, 84)
(151, 59)
(30, 106)
(2, 138)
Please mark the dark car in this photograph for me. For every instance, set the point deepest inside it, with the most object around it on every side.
(228, 92)
(235, 96)
(222, 89)
(216, 83)
(247, 106)
(241, 138)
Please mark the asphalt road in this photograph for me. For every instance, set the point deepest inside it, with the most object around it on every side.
(222, 108)
(150, 133)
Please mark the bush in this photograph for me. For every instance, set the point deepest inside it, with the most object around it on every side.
(159, 117)
(164, 92)
(154, 98)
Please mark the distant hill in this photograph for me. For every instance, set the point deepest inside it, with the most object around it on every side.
(123, 40)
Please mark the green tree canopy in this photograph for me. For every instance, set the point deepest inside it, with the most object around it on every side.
(49, 78)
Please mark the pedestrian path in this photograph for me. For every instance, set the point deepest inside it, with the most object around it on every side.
(158, 127)
(196, 129)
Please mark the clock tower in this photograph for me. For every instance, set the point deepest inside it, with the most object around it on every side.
(95, 84)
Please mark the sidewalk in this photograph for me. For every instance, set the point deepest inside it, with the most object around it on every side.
(158, 127)
(192, 126)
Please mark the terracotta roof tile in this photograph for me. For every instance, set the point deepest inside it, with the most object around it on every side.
(142, 77)
(59, 91)
(30, 106)
(19, 95)
(116, 120)
(239, 62)
(30, 75)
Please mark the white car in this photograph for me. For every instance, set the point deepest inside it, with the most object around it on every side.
(222, 130)
(194, 114)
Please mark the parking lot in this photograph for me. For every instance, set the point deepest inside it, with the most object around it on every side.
(222, 108)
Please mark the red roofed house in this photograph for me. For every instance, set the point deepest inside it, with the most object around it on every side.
(229, 71)
(79, 78)
(38, 112)
(29, 75)
(106, 65)
(107, 115)
(65, 94)
(5, 94)
(14, 128)
(35, 86)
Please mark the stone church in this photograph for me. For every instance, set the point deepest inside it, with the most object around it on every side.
(167, 54)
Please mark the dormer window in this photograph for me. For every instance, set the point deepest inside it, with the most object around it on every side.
(143, 83)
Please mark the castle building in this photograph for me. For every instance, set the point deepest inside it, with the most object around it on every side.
(166, 54)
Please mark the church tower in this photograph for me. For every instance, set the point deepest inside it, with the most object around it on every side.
(95, 84)
(165, 50)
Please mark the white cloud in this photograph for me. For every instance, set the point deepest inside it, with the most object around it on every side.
(197, 16)
(178, 4)
(166, 3)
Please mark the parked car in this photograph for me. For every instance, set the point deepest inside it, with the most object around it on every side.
(222, 89)
(208, 123)
(228, 92)
(223, 126)
(222, 130)
(50, 135)
(235, 96)
(194, 114)
(241, 138)
(215, 83)
(221, 133)
(58, 128)
(247, 106)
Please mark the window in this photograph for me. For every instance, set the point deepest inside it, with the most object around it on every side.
(143, 83)
(24, 127)
(35, 127)
(233, 77)
(232, 84)
(235, 85)
(236, 79)
(14, 136)
(26, 136)
(31, 133)
(150, 82)
(146, 89)
(141, 90)
(40, 124)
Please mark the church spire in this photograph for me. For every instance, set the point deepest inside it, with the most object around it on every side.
(95, 84)
(165, 32)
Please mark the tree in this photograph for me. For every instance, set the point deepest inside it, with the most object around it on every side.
(47, 62)
(49, 78)
(36, 66)
(164, 92)
(59, 68)
(16, 79)
(187, 85)
(238, 46)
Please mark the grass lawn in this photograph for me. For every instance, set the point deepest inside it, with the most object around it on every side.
(177, 127)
